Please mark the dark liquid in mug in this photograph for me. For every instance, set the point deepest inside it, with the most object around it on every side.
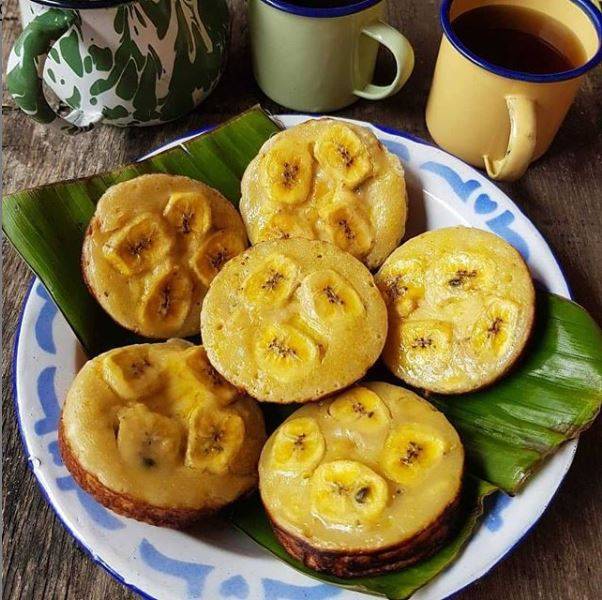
(520, 39)
(322, 3)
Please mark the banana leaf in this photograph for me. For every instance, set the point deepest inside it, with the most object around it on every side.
(553, 395)
(508, 429)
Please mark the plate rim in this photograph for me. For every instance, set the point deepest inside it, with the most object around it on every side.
(572, 444)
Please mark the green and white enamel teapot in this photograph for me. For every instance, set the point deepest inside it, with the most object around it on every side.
(138, 62)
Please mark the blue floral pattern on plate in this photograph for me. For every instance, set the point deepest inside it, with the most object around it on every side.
(483, 205)
(194, 574)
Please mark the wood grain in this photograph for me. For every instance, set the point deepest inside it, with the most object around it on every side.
(561, 194)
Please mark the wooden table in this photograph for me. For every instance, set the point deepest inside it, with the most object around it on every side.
(561, 194)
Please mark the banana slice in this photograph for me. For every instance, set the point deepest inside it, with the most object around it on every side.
(217, 250)
(286, 352)
(147, 439)
(215, 437)
(346, 225)
(494, 331)
(347, 492)
(167, 301)
(461, 273)
(139, 246)
(328, 297)
(341, 152)
(131, 372)
(274, 282)
(189, 213)
(298, 446)
(288, 172)
(426, 344)
(284, 226)
(360, 409)
(197, 363)
(410, 451)
(402, 285)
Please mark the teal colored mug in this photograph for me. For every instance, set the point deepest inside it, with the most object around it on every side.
(323, 59)
(141, 62)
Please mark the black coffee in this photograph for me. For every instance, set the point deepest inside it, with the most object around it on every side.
(322, 3)
(520, 39)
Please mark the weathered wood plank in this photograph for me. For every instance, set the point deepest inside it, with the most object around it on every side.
(562, 194)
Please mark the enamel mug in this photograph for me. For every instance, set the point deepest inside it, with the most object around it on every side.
(138, 62)
(499, 119)
(323, 59)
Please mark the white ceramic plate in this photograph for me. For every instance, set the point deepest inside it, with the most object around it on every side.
(216, 561)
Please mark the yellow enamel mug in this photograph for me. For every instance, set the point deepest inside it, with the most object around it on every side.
(499, 119)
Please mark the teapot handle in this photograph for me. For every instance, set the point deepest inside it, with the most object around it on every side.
(25, 69)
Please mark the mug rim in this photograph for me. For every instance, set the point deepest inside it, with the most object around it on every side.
(321, 13)
(82, 4)
(595, 16)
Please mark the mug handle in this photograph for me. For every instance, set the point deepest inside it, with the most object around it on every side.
(521, 143)
(25, 69)
(404, 57)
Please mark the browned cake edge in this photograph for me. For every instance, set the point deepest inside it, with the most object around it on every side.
(125, 504)
(361, 563)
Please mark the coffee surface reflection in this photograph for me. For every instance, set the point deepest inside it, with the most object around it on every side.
(520, 39)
